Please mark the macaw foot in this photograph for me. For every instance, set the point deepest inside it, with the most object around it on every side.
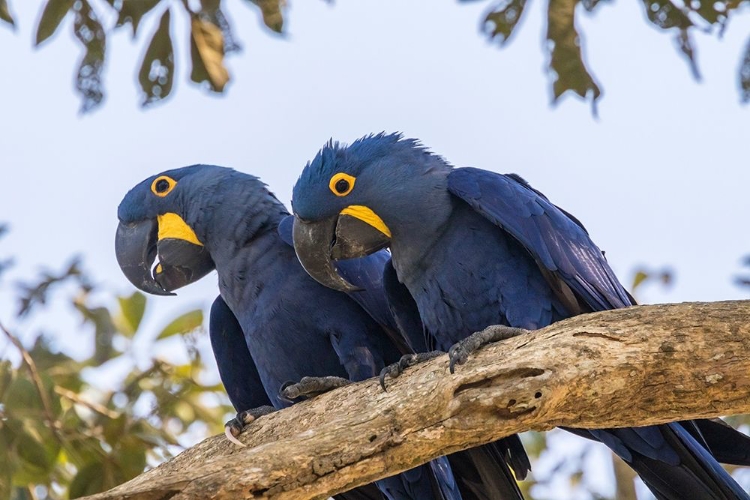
(310, 387)
(234, 427)
(407, 360)
(459, 352)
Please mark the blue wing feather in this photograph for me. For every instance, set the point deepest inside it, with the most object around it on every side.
(558, 242)
(237, 369)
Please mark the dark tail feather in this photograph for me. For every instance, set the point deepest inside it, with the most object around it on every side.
(726, 444)
(366, 492)
(433, 480)
(482, 473)
(692, 472)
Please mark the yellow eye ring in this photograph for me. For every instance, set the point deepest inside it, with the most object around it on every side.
(341, 184)
(163, 185)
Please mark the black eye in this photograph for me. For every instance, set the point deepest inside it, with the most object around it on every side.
(162, 186)
(342, 186)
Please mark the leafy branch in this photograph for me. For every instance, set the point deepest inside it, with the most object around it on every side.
(212, 38)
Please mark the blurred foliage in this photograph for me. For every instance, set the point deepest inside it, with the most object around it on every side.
(64, 435)
(566, 63)
(211, 38)
(744, 281)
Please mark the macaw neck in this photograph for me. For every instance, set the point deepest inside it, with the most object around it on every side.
(246, 270)
(242, 210)
(412, 245)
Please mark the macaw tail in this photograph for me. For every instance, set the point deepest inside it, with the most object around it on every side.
(431, 481)
(484, 472)
(672, 463)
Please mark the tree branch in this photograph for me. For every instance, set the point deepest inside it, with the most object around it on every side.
(637, 366)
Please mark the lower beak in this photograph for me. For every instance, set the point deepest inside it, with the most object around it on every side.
(180, 262)
(340, 237)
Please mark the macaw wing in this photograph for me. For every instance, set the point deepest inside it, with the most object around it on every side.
(555, 239)
(236, 366)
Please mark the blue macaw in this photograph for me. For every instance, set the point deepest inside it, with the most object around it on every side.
(272, 323)
(472, 248)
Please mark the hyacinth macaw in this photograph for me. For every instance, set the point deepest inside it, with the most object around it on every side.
(472, 248)
(272, 324)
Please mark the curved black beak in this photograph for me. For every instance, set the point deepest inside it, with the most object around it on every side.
(340, 237)
(180, 262)
(135, 248)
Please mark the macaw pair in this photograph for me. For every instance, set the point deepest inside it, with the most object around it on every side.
(468, 249)
(272, 323)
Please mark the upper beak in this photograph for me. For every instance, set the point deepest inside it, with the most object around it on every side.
(181, 262)
(342, 236)
(135, 248)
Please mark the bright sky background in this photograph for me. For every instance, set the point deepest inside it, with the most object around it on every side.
(661, 178)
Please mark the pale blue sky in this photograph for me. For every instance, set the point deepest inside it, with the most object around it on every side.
(661, 178)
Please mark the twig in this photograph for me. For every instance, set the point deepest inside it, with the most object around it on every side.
(31, 366)
(72, 396)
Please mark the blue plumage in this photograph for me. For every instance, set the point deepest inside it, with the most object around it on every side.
(272, 323)
(475, 248)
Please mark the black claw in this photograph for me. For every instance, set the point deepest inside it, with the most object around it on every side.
(283, 396)
(394, 370)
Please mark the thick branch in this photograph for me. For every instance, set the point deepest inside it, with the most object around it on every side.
(636, 366)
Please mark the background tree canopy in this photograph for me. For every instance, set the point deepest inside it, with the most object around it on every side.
(212, 38)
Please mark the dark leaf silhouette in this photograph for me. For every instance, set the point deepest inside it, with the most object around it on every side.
(566, 64)
(52, 16)
(5, 13)
(131, 12)
(36, 294)
(666, 15)
(745, 75)
(157, 69)
(502, 19)
(90, 33)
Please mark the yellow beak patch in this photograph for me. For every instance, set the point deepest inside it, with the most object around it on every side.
(171, 225)
(366, 215)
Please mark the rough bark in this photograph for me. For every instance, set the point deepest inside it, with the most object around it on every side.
(637, 366)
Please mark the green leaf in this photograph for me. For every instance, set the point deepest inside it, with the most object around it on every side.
(131, 309)
(568, 71)
(52, 16)
(183, 324)
(502, 19)
(37, 451)
(157, 69)
(22, 398)
(105, 330)
(89, 480)
(90, 33)
(273, 17)
(130, 457)
(6, 377)
(207, 54)
(5, 16)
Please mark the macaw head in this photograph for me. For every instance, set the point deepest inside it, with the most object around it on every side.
(179, 217)
(351, 201)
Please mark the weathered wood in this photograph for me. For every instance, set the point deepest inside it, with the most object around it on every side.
(636, 366)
